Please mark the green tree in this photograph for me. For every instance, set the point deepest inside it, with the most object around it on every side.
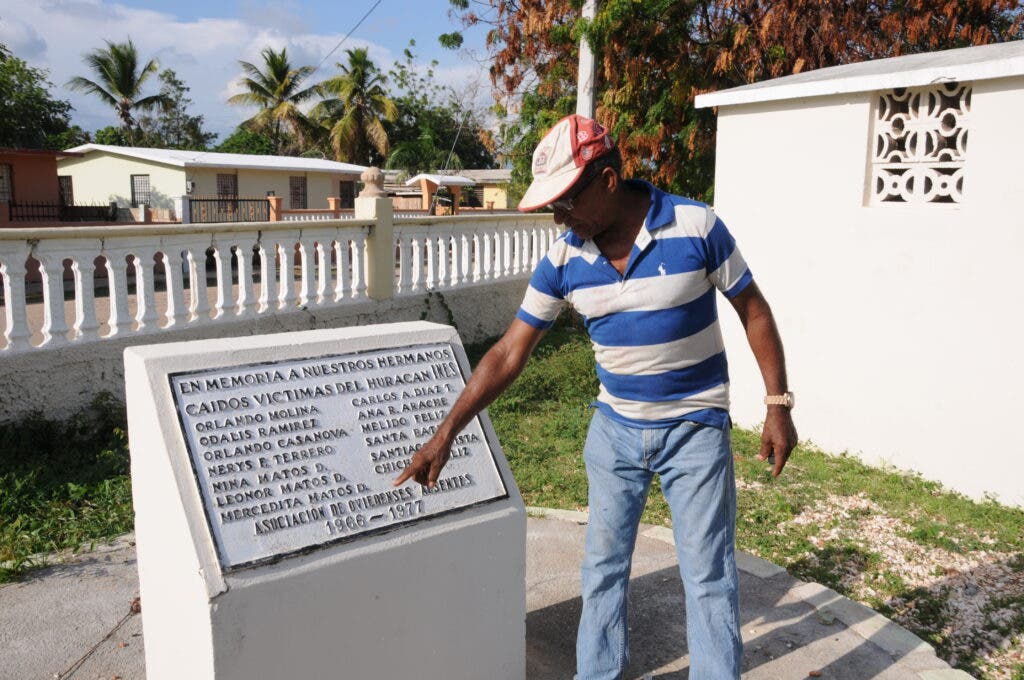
(119, 82)
(360, 102)
(436, 128)
(243, 140)
(172, 126)
(31, 118)
(655, 56)
(69, 138)
(111, 135)
(278, 90)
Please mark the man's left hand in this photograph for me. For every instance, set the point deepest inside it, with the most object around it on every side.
(778, 437)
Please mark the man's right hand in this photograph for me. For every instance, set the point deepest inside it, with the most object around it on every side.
(426, 464)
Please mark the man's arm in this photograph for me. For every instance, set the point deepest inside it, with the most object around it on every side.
(779, 434)
(495, 372)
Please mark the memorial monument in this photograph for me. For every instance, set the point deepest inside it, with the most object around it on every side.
(270, 540)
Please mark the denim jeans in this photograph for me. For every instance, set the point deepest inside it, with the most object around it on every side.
(694, 462)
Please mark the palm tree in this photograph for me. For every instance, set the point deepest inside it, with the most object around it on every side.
(362, 101)
(278, 91)
(119, 82)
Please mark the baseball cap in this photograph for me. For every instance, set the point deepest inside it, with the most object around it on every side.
(561, 156)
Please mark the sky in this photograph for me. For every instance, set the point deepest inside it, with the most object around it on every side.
(203, 40)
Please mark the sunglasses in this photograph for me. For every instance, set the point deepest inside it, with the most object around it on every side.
(566, 204)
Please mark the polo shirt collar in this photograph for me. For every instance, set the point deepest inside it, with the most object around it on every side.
(660, 214)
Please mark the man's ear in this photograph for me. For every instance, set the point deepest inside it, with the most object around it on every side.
(610, 179)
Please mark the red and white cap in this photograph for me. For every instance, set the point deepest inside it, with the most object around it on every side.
(559, 159)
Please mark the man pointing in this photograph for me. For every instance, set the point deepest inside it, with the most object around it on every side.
(643, 268)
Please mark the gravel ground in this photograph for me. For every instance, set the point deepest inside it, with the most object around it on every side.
(969, 603)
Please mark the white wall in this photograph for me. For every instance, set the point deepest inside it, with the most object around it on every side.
(480, 311)
(100, 177)
(901, 324)
(256, 184)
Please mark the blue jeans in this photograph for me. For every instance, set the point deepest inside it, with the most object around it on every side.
(694, 462)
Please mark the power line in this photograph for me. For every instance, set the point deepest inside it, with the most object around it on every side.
(342, 41)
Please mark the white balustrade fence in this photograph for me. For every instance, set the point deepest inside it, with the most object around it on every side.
(316, 215)
(443, 253)
(71, 285)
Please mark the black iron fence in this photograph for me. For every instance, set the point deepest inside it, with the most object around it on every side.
(21, 211)
(204, 210)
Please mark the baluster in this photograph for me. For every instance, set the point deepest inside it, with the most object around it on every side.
(511, 247)
(246, 305)
(267, 274)
(117, 283)
(478, 264)
(431, 246)
(225, 297)
(405, 282)
(51, 270)
(417, 262)
(286, 282)
(323, 271)
(507, 244)
(443, 260)
(305, 272)
(199, 296)
(12, 267)
(465, 275)
(528, 248)
(171, 257)
(358, 279)
(487, 271)
(145, 295)
(343, 281)
(83, 269)
(456, 258)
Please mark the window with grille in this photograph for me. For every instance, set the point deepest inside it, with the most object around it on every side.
(227, 186)
(347, 194)
(140, 190)
(67, 192)
(297, 192)
(920, 144)
(6, 186)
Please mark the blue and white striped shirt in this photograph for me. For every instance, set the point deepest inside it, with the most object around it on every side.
(657, 342)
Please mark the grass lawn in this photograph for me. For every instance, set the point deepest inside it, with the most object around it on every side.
(948, 568)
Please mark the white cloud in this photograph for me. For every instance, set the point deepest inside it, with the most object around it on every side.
(55, 34)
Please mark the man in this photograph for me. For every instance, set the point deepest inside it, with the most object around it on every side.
(642, 268)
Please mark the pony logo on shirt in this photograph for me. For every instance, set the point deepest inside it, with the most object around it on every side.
(661, 269)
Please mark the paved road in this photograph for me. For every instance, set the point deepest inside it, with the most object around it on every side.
(790, 628)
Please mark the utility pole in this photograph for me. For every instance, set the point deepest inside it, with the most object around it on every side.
(587, 68)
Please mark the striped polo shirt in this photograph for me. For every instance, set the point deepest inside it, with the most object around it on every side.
(657, 342)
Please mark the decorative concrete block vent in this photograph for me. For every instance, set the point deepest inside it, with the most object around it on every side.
(920, 144)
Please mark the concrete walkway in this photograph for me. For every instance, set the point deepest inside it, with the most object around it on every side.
(791, 629)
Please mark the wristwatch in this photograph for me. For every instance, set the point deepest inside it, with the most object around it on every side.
(788, 400)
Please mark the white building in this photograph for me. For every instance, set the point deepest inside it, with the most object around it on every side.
(133, 175)
(881, 206)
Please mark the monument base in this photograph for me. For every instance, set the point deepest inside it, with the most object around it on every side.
(227, 594)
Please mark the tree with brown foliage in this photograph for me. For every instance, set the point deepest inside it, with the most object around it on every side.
(657, 55)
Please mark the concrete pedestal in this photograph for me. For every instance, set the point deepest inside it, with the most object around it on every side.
(439, 595)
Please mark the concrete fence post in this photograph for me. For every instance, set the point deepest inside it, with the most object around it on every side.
(276, 205)
(183, 209)
(373, 204)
